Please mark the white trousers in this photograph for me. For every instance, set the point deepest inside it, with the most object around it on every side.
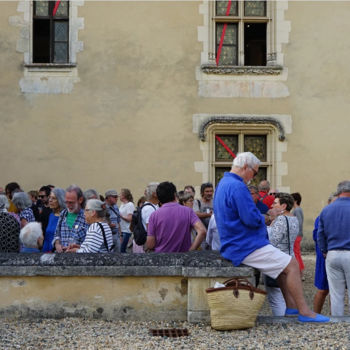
(338, 274)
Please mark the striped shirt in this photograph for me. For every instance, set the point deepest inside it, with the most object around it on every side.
(94, 242)
(67, 235)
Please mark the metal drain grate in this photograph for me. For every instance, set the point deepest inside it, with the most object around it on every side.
(172, 333)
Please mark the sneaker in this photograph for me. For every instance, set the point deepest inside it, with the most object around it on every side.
(318, 318)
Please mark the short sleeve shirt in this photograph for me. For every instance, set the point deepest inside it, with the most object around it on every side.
(125, 210)
(171, 227)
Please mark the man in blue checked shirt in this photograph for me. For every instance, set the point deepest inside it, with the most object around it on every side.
(71, 227)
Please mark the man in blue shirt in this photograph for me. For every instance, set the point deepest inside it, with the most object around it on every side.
(334, 241)
(244, 239)
(111, 198)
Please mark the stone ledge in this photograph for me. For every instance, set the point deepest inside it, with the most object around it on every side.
(241, 70)
(191, 264)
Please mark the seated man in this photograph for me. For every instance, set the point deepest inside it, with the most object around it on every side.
(169, 228)
(243, 236)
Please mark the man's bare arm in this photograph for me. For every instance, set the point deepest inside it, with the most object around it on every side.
(201, 233)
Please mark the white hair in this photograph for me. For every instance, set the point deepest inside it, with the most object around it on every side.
(4, 203)
(246, 158)
(150, 189)
(30, 233)
(21, 200)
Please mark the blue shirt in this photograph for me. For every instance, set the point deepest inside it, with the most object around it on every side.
(50, 232)
(76, 234)
(263, 208)
(114, 217)
(334, 226)
(241, 226)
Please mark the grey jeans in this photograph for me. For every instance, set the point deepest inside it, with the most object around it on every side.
(338, 274)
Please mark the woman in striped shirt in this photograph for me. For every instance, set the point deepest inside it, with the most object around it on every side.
(98, 237)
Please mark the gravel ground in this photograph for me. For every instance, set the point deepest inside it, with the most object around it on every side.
(73, 333)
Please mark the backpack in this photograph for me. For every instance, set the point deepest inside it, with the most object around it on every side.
(136, 225)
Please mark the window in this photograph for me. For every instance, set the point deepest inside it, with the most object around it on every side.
(241, 29)
(51, 32)
(228, 141)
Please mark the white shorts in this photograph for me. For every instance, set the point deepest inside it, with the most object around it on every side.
(269, 260)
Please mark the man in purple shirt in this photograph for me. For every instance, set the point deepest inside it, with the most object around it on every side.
(169, 228)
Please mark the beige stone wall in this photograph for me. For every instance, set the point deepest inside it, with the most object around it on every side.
(128, 120)
(106, 297)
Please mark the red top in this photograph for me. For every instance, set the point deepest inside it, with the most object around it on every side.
(266, 198)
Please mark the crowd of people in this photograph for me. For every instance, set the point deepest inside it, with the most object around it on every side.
(253, 225)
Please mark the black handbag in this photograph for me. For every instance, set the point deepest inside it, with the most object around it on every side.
(271, 282)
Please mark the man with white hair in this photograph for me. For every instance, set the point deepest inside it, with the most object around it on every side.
(150, 205)
(243, 236)
(334, 241)
(71, 227)
(31, 237)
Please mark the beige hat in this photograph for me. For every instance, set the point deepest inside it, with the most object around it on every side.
(95, 204)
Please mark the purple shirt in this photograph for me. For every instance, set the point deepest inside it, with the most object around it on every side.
(171, 226)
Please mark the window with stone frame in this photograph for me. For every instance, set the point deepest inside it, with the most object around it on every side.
(226, 142)
(50, 32)
(247, 30)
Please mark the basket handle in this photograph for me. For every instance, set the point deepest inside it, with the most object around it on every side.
(235, 282)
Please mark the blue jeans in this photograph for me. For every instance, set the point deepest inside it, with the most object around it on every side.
(126, 236)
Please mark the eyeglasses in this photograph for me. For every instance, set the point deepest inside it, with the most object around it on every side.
(42, 196)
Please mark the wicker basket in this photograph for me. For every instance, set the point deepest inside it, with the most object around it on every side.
(235, 306)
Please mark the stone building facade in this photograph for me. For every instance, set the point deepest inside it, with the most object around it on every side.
(130, 92)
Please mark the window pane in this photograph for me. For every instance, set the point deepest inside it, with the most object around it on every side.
(61, 53)
(61, 31)
(255, 8)
(221, 8)
(229, 48)
(261, 175)
(62, 9)
(256, 144)
(41, 41)
(255, 44)
(41, 8)
(219, 173)
(221, 154)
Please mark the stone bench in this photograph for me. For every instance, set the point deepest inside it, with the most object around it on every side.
(112, 286)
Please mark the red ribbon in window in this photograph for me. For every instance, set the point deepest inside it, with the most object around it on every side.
(223, 33)
(227, 148)
(57, 3)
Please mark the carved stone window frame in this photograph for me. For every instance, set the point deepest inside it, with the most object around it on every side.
(275, 127)
(47, 78)
(242, 129)
(244, 81)
(210, 67)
